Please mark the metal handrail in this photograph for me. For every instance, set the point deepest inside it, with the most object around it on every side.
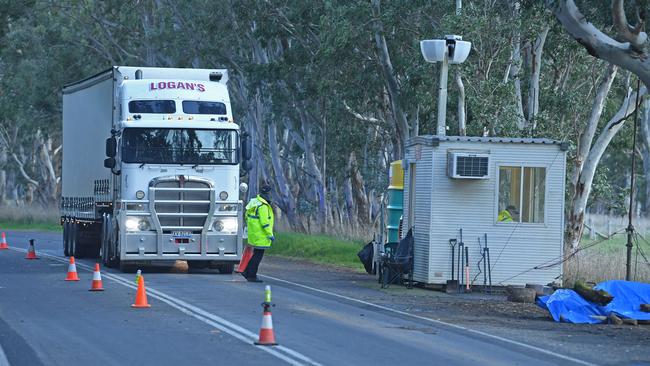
(137, 213)
(183, 214)
(183, 228)
(174, 189)
(182, 202)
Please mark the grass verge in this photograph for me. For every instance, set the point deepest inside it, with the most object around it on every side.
(37, 226)
(29, 218)
(318, 249)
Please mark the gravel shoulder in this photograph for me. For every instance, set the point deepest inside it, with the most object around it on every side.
(601, 343)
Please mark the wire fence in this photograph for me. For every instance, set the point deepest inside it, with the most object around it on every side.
(600, 260)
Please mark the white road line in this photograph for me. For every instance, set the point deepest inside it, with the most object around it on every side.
(290, 356)
(3, 358)
(440, 322)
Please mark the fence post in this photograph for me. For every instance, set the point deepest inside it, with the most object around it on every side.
(609, 228)
(592, 231)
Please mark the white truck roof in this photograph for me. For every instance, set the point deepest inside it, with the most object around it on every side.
(130, 73)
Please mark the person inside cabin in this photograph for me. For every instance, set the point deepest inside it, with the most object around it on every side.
(510, 214)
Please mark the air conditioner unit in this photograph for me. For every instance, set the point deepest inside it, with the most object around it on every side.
(468, 165)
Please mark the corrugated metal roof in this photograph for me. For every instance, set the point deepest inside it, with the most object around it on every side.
(434, 140)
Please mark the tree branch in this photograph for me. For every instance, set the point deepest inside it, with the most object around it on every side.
(599, 44)
(359, 116)
(22, 170)
(634, 35)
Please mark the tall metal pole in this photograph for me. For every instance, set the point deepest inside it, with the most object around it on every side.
(442, 95)
(459, 6)
(630, 227)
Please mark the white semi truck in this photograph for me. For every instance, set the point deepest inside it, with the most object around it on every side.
(151, 168)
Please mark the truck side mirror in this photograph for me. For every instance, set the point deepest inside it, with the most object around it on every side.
(109, 163)
(111, 148)
(247, 147)
(245, 167)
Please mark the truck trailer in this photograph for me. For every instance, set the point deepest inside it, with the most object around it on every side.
(151, 168)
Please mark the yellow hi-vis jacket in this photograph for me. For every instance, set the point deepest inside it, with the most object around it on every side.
(259, 219)
(504, 216)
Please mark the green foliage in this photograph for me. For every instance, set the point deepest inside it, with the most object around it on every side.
(319, 55)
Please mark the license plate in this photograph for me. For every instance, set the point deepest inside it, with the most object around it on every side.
(181, 234)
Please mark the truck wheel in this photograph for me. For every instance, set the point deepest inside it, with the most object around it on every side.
(112, 235)
(103, 246)
(66, 234)
(72, 239)
(227, 268)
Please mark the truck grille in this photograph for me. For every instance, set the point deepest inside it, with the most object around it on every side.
(182, 207)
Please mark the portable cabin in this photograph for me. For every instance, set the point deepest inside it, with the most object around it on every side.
(510, 190)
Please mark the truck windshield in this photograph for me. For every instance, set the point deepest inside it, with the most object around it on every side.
(180, 146)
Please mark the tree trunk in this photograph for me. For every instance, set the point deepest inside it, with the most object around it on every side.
(285, 200)
(645, 151)
(462, 129)
(586, 137)
(536, 51)
(390, 79)
(582, 189)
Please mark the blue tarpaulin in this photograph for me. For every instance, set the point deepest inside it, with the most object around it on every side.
(628, 297)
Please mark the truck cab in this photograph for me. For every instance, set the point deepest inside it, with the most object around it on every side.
(173, 158)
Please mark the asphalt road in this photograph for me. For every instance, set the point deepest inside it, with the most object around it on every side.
(199, 318)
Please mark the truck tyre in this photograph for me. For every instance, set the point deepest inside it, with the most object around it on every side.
(66, 235)
(72, 238)
(103, 246)
(226, 268)
(112, 256)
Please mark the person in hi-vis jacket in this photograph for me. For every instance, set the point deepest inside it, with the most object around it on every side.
(259, 219)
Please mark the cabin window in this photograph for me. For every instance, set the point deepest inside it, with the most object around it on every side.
(521, 194)
(201, 107)
(152, 106)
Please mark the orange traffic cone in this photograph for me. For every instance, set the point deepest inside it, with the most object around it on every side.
(245, 258)
(141, 295)
(97, 280)
(31, 252)
(266, 338)
(72, 271)
(3, 242)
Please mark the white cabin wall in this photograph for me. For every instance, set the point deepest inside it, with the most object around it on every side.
(444, 205)
(423, 215)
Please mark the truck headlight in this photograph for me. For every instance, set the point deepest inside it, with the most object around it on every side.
(223, 195)
(143, 225)
(226, 224)
(139, 195)
(131, 224)
(218, 225)
(136, 223)
(230, 224)
(227, 208)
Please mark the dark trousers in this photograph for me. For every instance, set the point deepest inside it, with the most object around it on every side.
(254, 263)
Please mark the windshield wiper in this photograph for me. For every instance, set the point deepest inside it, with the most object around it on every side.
(141, 165)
